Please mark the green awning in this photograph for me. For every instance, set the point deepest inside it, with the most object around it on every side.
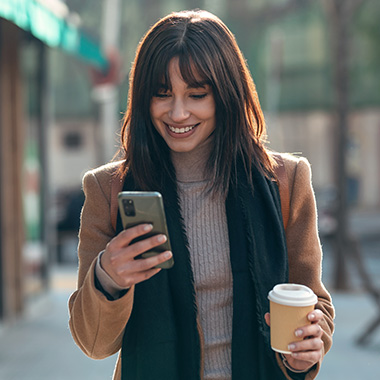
(55, 31)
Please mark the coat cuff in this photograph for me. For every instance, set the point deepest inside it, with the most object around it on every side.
(105, 283)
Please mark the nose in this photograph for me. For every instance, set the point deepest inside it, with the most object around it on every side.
(178, 110)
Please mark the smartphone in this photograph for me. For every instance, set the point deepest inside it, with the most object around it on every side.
(138, 207)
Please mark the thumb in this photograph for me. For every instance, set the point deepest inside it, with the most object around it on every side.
(267, 318)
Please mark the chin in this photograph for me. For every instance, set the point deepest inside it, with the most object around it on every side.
(181, 149)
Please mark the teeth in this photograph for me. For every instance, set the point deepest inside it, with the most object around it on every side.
(181, 130)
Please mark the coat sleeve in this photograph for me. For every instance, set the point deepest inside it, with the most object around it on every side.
(96, 323)
(304, 248)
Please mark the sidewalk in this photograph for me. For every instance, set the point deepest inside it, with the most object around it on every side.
(346, 360)
(365, 224)
(39, 346)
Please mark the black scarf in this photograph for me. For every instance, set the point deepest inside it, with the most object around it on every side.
(161, 340)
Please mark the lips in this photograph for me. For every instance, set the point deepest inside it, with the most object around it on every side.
(181, 129)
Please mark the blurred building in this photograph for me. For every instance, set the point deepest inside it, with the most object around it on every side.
(288, 51)
(28, 29)
(290, 56)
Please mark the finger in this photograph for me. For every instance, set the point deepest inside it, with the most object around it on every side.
(315, 316)
(306, 345)
(300, 365)
(145, 245)
(313, 330)
(136, 271)
(131, 267)
(125, 237)
(142, 265)
(139, 277)
(311, 357)
(267, 318)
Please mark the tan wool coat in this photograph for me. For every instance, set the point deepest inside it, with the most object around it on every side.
(97, 324)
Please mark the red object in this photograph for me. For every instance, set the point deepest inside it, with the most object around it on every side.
(111, 75)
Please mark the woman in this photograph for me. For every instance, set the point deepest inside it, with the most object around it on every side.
(194, 131)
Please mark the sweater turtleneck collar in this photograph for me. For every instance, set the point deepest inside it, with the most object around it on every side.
(191, 166)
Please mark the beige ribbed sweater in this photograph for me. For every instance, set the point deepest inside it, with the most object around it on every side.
(206, 228)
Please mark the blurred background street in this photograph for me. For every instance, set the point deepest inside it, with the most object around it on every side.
(64, 68)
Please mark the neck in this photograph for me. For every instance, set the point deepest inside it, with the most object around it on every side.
(191, 166)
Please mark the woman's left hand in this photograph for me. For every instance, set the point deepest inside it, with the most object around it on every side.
(305, 353)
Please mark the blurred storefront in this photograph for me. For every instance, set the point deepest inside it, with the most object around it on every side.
(28, 28)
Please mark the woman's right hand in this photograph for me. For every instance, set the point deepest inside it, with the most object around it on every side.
(118, 259)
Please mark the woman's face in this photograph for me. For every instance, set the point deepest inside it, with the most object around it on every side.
(183, 116)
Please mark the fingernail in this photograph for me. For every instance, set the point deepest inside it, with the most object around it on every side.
(298, 332)
(311, 316)
(291, 347)
(294, 354)
(161, 238)
(168, 255)
(148, 227)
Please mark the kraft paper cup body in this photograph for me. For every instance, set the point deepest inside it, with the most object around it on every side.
(289, 307)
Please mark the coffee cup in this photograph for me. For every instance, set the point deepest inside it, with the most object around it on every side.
(289, 306)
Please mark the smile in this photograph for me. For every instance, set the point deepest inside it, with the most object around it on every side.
(181, 130)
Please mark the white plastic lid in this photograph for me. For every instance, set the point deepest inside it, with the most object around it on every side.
(293, 295)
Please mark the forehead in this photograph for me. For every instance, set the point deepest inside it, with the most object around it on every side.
(183, 72)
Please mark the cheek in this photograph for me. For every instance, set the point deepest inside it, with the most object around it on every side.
(153, 111)
(156, 108)
(211, 114)
(208, 110)
(205, 112)
(154, 115)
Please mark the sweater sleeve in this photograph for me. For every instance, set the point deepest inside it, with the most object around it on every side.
(304, 248)
(96, 323)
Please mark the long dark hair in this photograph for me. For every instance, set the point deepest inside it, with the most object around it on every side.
(206, 51)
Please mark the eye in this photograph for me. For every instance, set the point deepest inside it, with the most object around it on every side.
(198, 96)
(161, 95)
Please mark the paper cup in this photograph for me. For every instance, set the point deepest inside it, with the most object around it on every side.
(289, 307)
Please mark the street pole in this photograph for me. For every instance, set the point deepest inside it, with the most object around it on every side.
(339, 27)
(340, 14)
(47, 233)
(107, 94)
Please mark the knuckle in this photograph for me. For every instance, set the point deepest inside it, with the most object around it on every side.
(119, 272)
(133, 250)
(126, 283)
(110, 246)
(317, 331)
(112, 260)
(143, 264)
(316, 345)
(318, 312)
(142, 246)
(126, 234)
(317, 356)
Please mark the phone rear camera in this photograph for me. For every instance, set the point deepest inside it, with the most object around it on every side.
(129, 207)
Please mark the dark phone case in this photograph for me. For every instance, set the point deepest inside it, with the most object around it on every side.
(149, 208)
